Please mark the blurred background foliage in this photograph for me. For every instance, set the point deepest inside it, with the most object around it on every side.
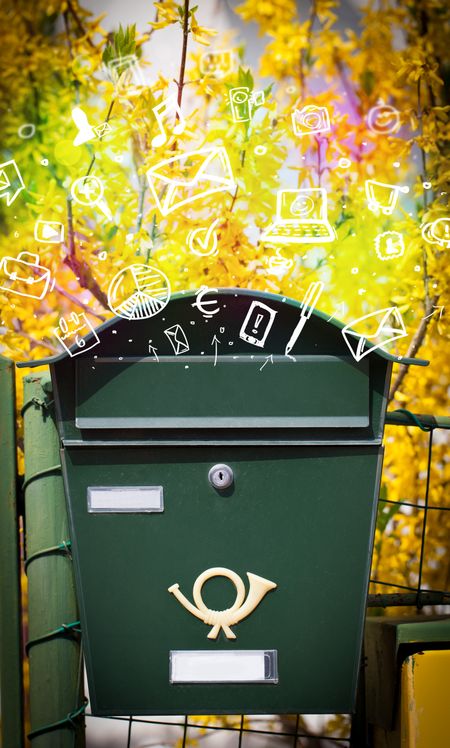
(53, 58)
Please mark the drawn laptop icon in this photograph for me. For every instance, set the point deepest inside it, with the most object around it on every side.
(301, 218)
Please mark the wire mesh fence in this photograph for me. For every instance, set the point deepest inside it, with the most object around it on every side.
(409, 586)
(231, 731)
(409, 568)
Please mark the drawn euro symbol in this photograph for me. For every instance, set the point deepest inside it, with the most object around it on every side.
(223, 619)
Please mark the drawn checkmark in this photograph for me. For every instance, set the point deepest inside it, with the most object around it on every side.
(206, 246)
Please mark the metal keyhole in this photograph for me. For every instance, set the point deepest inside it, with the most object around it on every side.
(221, 476)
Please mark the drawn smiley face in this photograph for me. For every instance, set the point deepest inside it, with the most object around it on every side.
(383, 119)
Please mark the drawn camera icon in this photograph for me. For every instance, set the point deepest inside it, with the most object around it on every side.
(310, 120)
(242, 101)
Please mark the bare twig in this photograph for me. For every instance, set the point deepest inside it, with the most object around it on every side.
(34, 340)
(306, 51)
(234, 198)
(180, 82)
(78, 23)
(78, 302)
(155, 20)
(78, 266)
(75, 82)
(142, 190)
(153, 236)
(70, 231)
(81, 270)
(422, 151)
(416, 342)
(107, 118)
(83, 274)
(33, 84)
(243, 154)
(319, 161)
(66, 26)
(346, 85)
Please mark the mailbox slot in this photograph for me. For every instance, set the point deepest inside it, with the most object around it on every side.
(188, 392)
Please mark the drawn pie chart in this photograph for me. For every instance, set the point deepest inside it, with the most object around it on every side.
(138, 292)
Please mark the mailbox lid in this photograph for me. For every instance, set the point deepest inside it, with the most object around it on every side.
(194, 392)
(301, 517)
(317, 393)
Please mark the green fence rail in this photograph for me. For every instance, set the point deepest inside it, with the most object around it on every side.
(53, 646)
(10, 603)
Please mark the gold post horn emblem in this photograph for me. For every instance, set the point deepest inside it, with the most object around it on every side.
(223, 619)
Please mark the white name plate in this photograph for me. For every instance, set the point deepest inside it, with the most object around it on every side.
(125, 499)
(223, 666)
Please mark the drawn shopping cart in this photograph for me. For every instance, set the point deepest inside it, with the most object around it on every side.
(382, 196)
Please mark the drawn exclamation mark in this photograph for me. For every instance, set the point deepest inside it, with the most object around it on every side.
(257, 323)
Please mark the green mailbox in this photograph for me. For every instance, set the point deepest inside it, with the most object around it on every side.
(222, 500)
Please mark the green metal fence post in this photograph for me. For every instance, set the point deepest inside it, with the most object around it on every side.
(56, 706)
(10, 609)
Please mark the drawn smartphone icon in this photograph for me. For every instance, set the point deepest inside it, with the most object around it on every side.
(257, 324)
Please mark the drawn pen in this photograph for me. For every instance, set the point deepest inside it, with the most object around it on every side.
(308, 305)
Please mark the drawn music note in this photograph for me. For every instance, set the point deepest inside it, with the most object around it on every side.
(161, 111)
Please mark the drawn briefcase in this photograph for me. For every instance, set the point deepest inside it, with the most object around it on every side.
(22, 275)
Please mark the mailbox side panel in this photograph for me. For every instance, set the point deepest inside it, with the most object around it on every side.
(301, 517)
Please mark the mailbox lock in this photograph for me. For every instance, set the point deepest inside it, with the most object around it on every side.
(221, 476)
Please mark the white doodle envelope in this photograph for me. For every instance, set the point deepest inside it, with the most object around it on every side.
(390, 326)
(207, 171)
(177, 339)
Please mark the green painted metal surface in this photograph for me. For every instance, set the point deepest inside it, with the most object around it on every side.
(290, 518)
(303, 437)
(54, 660)
(289, 394)
(11, 711)
(401, 418)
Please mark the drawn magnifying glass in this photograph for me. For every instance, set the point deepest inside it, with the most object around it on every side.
(90, 191)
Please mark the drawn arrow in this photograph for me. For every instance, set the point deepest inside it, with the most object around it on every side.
(269, 358)
(11, 182)
(436, 308)
(215, 342)
(340, 306)
(152, 349)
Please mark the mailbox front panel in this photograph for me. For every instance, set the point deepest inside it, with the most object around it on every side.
(299, 517)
